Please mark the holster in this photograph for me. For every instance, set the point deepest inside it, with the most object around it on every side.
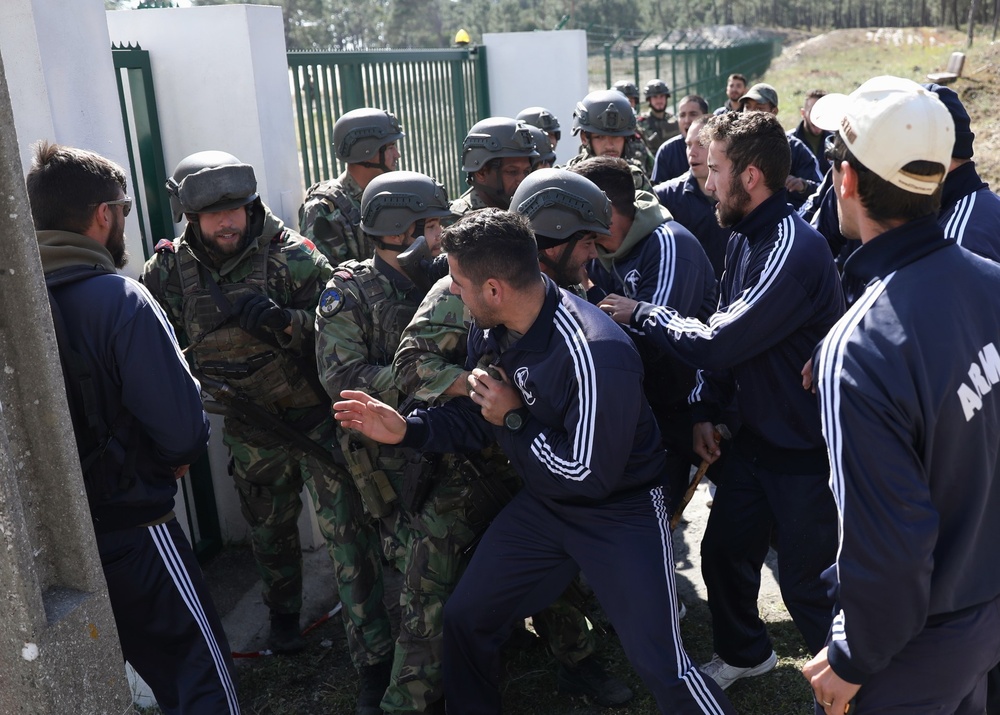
(377, 493)
(418, 478)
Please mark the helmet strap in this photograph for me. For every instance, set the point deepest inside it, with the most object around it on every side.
(381, 161)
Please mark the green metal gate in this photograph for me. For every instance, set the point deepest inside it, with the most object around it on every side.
(436, 94)
(142, 134)
(142, 137)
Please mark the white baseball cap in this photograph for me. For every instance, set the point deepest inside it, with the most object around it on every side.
(888, 122)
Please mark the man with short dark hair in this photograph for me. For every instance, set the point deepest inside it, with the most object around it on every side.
(551, 377)
(138, 427)
(650, 257)
(671, 157)
(910, 414)
(736, 86)
(692, 205)
(809, 134)
(779, 296)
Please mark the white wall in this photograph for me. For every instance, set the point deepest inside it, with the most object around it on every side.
(545, 69)
(221, 80)
(58, 66)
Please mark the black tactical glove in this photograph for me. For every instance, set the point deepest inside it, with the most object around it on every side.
(258, 311)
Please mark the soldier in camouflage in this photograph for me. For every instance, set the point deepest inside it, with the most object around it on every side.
(630, 91)
(496, 155)
(366, 141)
(359, 319)
(606, 125)
(543, 119)
(567, 211)
(657, 125)
(241, 288)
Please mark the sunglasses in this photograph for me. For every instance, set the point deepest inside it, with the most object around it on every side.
(125, 203)
(830, 151)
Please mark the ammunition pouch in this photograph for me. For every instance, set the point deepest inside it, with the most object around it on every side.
(373, 485)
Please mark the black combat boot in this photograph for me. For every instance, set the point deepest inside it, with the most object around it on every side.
(373, 682)
(285, 636)
(590, 679)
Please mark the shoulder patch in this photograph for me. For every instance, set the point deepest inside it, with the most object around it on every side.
(165, 245)
(331, 302)
(308, 244)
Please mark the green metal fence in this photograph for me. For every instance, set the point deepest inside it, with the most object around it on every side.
(436, 94)
(690, 62)
(145, 154)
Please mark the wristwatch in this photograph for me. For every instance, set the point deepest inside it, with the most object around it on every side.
(515, 419)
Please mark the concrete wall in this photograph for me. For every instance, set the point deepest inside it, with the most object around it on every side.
(545, 69)
(221, 82)
(62, 83)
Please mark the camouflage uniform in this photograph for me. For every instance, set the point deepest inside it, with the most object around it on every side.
(330, 218)
(640, 177)
(459, 507)
(656, 130)
(360, 317)
(279, 376)
(469, 201)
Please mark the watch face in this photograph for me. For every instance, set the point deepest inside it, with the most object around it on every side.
(513, 420)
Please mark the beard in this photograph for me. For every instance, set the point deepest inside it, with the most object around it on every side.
(219, 251)
(116, 242)
(735, 208)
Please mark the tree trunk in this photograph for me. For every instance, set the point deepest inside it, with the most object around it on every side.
(972, 20)
(996, 19)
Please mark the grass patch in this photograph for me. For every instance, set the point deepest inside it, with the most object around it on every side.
(839, 61)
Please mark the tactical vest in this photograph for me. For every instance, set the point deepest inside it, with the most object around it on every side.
(389, 318)
(349, 217)
(265, 374)
(381, 473)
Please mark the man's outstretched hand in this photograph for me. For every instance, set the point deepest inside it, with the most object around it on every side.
(376, 420)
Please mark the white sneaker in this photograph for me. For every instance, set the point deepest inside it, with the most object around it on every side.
(725, 675)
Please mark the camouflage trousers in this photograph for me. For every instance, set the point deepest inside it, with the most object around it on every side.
(439, 539)
(269, 477)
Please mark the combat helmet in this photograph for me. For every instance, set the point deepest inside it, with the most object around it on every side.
(546, 154)
(208, 181)
(656, 87)
(542, 118)
(559, 204)
(605, 111)
(627, 88)
(359, 135)
(496, 138)
(392, 202)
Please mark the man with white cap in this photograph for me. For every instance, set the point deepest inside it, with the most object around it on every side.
(911, 421)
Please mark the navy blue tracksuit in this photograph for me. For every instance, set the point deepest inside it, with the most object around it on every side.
(151, 408)
(909, 385)
(591, 461)
(695, 211)
(779, 296)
